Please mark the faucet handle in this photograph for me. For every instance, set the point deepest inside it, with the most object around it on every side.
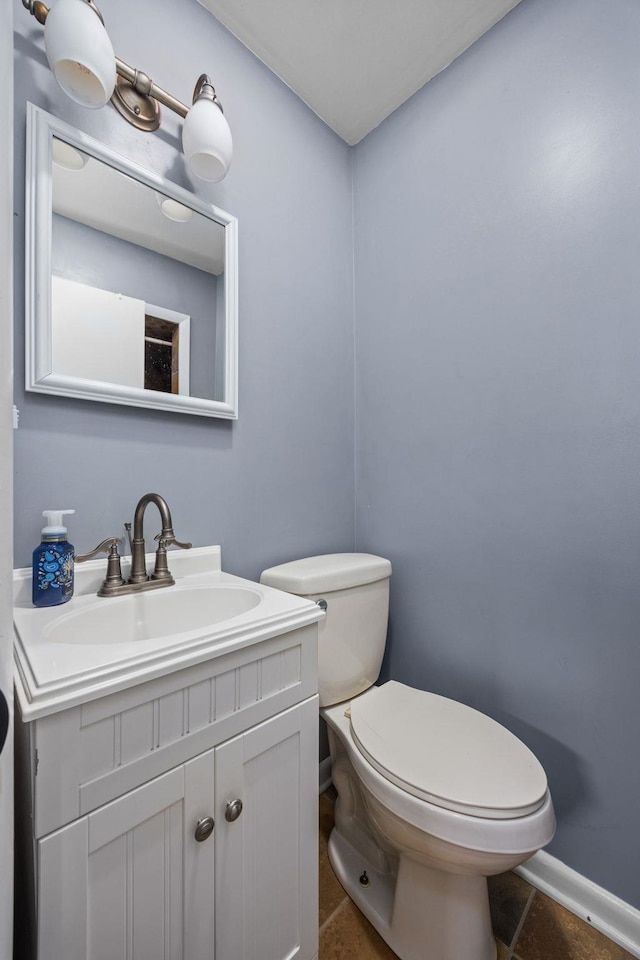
(164, 539)
(107, 546)
(169, 540)
(114, 573)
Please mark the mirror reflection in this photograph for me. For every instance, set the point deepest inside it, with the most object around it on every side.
(139, 306)
(135, 278)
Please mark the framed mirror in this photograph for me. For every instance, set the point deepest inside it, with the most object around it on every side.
(131, 281)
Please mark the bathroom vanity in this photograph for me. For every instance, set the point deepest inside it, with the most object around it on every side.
(169, 747)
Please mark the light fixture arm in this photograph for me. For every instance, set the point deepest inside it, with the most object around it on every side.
(39, 10)
(205, 90)
(36, 9)
(145, 86)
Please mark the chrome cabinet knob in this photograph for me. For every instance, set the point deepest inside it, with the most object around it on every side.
(233, 810)
(204, 829)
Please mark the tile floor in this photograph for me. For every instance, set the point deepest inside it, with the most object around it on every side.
(528, 925)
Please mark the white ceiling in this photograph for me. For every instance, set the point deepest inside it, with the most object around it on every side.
(354, 61)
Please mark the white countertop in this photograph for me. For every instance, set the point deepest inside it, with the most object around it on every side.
(51, 676)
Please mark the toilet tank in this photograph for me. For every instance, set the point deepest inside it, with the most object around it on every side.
(352, 636)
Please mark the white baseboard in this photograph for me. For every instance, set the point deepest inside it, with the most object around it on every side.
(614, 918)
(325, 774)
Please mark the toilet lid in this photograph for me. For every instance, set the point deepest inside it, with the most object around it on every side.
(446, 753)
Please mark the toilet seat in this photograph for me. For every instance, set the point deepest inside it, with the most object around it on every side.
(446, 753)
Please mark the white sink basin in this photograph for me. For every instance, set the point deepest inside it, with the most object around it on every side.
(154, 615)
(92, 646)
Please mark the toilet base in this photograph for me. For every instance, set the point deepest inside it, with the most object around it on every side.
(422, 913)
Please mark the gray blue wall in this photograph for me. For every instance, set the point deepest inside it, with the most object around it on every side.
(497, 237)
(278, 483)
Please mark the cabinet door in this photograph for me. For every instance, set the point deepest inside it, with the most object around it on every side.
(130, 881)
(267, 859)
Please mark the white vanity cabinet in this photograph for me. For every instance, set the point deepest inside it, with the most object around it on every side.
(120, 765)
(130, 880)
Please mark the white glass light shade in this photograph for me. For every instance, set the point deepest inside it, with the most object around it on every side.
(80, 53)
(206, 140)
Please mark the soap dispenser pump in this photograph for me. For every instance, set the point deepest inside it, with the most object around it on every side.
(52, 573)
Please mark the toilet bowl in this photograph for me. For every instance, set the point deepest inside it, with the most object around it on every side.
(433, 796)
(425, 863)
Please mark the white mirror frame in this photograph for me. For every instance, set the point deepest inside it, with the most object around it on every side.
(40, 376)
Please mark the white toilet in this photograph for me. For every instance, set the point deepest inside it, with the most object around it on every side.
(433, 796)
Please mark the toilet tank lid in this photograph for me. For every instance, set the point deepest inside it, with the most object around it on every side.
(332, 571)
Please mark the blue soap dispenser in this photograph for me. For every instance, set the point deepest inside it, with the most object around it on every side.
(52, 579)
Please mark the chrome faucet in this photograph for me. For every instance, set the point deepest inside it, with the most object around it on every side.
(114, 584)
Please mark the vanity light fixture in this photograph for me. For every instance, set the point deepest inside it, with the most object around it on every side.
(81, 57)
